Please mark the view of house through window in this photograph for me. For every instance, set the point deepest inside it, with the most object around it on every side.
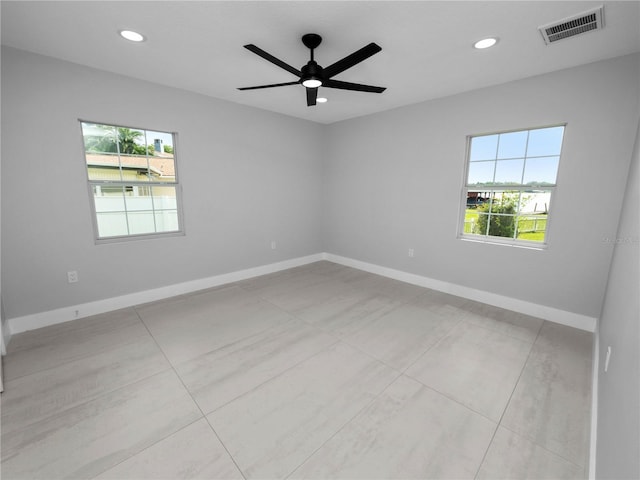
(132, 175)
(510, 179)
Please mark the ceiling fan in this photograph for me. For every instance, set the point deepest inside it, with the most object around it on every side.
(312, 75)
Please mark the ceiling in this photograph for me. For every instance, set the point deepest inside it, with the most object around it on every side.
(426, 45)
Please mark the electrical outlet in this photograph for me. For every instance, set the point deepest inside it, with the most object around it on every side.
(411, 252)
(72, 276)
(607, 359)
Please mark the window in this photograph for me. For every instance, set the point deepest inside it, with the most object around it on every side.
(509, 183)
(133, 181)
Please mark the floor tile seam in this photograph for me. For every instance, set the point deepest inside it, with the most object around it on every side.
(431, 347)
(448, 397)
(7, 381)
(80, 357)
(506, 405)
(62, 329)
(543, 447)
(486, 451)
(400, 303)
(505, 333)
(267, 300)
(499, 423)
(367, 354)
(531, 439)
(60, 413)
(146, 448)
(255, 387)
(240, 471)
(203, 415)
(226, 345)
(517, 382)
(345, 424)
(173, 369)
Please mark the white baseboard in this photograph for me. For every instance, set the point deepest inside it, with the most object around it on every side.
(594, 404)
(5, 338)
(65, 314)
(540, 311)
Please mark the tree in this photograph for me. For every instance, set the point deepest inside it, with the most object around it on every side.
(502, 220)
(127, 141)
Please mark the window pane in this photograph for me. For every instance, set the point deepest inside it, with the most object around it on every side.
(481, 173)
(535, 201)
(99, 138)
(532, 227)
(483, 148)
(502, 226)
(504, 202)
(476, 223)
(141, 222)
(104, 167)
(532, 221)
(541, 171)
(163, 168)
(161, 142)
(108, 199)
(509, 171)
(545, 142)
(112, 224)
(131, 141)
(100, 143)
(476, 198)
(512, 145)
(164, 198)
(136, 202)
(479, 226)
(167, 221)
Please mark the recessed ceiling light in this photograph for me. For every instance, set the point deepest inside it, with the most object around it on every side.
(131, 35)
(321, 100)
(485, 43)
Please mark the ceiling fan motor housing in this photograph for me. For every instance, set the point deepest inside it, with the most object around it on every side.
(311, 71)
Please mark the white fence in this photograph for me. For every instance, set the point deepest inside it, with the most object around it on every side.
(136, 215)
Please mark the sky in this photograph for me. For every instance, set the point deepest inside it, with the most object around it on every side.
(516, 157)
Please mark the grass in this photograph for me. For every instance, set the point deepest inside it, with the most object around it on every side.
(531, 228)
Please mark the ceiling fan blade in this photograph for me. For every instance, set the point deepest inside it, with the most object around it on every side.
(312, 94)
(272, 59)
(352, 86)
(269, 86)
(351, 60)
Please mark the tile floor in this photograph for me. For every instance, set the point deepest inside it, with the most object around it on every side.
(320, 371)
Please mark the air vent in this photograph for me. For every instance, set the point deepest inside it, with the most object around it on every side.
(572, 26)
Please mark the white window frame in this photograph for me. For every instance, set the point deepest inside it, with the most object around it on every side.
(134, 184)
(505, 241)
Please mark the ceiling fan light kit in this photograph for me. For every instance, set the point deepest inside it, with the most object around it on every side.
(312, 76)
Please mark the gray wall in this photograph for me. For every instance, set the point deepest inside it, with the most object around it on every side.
(618, 443)
(392, 181)
(249, 177)
(367, 188)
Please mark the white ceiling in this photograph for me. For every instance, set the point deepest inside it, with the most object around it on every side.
(426, 45)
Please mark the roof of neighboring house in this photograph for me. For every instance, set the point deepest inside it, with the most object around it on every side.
(161, 163)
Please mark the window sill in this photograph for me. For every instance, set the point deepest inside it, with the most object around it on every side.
(504, 243)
